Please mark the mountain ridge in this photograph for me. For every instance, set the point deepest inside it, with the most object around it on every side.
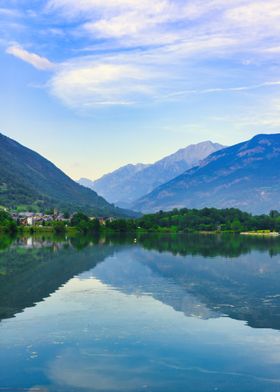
(244, 176)
(123, 190)
(29, 180)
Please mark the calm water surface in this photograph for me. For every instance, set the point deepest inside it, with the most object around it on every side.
(165, 314)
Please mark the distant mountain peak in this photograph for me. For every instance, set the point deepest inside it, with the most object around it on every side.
(126, 184)
(244, 176)
(193, 153)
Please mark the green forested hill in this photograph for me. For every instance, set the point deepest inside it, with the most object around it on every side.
(31, 181)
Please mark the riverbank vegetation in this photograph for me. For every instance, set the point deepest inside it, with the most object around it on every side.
(7, 224)
(210, 219)
(175, 221)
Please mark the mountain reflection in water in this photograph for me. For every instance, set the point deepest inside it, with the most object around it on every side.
(153, 313)
(201, 276)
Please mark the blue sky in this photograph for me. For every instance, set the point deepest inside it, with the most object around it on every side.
(94, 84)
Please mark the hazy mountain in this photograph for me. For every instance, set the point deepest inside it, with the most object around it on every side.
(29, 180)
(130, 182)
(114, 184)
(245, 176)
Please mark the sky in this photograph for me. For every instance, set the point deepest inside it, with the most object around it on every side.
(95, 84)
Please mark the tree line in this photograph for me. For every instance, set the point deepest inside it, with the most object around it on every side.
(178, 220)
(185, 221)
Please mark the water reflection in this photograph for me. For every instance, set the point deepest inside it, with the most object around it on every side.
(156, 313)
(202, 276)
(30, 270)
(227, 245)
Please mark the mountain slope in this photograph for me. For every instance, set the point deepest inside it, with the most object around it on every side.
(28, 179)
(111, 185)
(244, 176)
(130, 182)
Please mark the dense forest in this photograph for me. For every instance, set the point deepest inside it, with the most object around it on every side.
(194, 220)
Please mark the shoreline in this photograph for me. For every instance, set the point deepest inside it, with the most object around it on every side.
(72, 230)
(264, 234)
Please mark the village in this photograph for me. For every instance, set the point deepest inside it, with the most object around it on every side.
(29, 218)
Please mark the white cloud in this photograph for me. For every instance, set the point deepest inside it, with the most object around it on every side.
(85, 84)
(273, 50)
(37, 61)
(133, 20)
(121, 25)
(90, 7)
(168, 40)
(256, 13)
(165, 22)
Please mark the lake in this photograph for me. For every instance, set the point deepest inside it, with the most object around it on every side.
(157, 313)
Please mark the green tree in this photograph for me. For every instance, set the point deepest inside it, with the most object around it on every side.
(59, 227)
(78, 219)
(236, 226)
(5, 218)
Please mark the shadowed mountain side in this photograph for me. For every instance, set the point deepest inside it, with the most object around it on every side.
(28, 180)
(244, 176)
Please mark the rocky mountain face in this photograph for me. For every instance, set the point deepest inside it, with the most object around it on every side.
(30, 181)
(245, 176)
(125, 185)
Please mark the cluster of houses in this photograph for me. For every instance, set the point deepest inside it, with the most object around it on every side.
(35, 218)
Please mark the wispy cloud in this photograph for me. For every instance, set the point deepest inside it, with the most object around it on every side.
(142, 50)
(85, 84)
(165, 36)
(225, 89)
(37, 61)
(9, 12)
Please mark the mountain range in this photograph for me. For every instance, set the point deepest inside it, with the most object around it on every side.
(245, 176)
(127, 184)
(30, 181)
